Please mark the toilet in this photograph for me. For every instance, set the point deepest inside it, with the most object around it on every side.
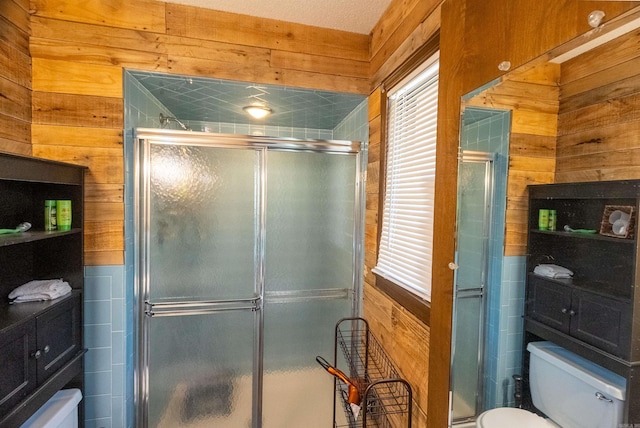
(61, 411)
(572, 391)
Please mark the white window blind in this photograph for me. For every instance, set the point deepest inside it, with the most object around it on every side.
(406, 242)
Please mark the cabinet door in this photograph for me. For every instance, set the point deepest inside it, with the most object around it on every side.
(18, 368)
(549, 303)
(58, 336)
(602, 322)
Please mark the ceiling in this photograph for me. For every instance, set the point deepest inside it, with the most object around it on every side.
(356, 16)
(199, 99)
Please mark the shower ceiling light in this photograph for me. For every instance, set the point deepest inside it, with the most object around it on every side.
(258, 111)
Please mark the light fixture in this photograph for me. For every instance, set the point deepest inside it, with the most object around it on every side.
(258, 111)
(259, 108)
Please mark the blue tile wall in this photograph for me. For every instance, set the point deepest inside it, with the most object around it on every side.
(105, 331)
(505, 296)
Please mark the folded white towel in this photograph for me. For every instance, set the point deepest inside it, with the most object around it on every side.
(552, 271)
(37, 290)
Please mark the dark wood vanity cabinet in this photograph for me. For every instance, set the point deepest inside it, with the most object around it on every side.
(41, 343)
(598, 320)
(593, 313)
(45, 340)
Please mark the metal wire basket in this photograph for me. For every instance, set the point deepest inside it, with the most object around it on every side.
(386, 397)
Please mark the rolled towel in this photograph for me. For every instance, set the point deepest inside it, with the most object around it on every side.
(552, 271)
(37, 290)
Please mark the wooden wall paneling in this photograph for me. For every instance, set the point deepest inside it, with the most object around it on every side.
(599, 123)
(15, 65)
(399, 28)
(77, 110)
(97, 35)
(105, 165)
(423, 33)
(17, 13)
(103, 237)
(590, 140)
(94, 54)
(15, 77)
(76, 78)
(232, 53)
(9, 145)
(54, 135)
(618, 89)
(224, 70)
(611, 54)
(103, 258)
(246, 30)
(405, 339)
(15, 100)
(452, 69)
(319, 64)
(142, 15)
(16, 131)
(101, 192)
(13, 35)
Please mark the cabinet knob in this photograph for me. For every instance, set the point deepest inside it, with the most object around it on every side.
(572, 312)
(47, 349)
(564, 310)
(453, 266)
(37, 354)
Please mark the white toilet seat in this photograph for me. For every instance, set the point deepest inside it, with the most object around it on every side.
(509, 417)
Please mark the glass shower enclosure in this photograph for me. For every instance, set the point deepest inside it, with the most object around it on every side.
(473, 229)
(248, 251)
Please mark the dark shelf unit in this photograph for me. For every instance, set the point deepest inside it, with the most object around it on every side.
(41, 342)
(595, 314)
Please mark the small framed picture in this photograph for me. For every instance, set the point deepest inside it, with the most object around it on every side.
(618, 221)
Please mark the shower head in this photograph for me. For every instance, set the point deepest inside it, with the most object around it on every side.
(164, 121)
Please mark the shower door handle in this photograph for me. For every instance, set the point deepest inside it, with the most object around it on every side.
(166, 309)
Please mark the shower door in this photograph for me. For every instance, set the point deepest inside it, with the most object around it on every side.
(475, 194)
(247, 258)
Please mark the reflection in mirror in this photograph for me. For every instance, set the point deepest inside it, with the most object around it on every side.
(484, 143)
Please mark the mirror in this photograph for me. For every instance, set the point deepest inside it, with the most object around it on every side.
(566, 116)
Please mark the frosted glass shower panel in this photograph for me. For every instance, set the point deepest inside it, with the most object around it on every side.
(475, 191)
(310, 221)
(472, 227)
(297, 390)
(203, 373)
(202, 222)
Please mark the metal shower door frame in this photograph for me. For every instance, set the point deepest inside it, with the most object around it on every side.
(488, 159)
(261, 145)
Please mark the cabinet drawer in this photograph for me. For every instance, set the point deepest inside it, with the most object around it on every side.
(18, 368)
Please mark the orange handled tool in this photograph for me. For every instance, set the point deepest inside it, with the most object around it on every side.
(354, 394)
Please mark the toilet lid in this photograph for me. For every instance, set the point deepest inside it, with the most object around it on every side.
(508, 417)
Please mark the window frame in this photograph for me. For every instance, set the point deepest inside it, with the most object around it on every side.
(419, 307)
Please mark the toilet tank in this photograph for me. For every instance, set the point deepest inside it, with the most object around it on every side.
(573, 391)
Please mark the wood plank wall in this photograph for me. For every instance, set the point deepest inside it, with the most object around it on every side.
(403, 29)
(15, 77)
(80, 49)
(599, 121)
(532, 96)
(475, 37)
